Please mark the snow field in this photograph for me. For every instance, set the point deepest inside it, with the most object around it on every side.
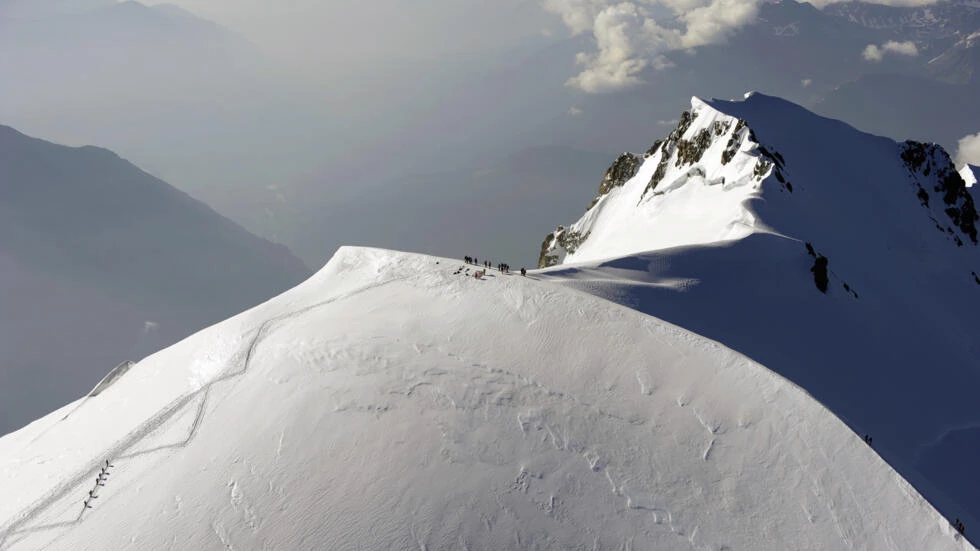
(388, 403)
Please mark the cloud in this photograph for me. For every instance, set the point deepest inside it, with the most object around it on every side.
(907, 48)
(629, 39)
(577, 15)
(632, 36)
(968, 151)
(875, 53)
(872, 53)
(619, 39)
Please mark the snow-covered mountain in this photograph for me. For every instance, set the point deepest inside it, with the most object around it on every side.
(948, 19)
(844, 261)
(695, 186)
(960, 64)
(101, 262)
(394, 401)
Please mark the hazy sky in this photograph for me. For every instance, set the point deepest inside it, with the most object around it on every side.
(629, 36)
(633, 36)
(371, 91)
(315, 33)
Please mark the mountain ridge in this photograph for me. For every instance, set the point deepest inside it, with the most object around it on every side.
(843, 261)
(756, 170)
(372, 405)
(103, 262)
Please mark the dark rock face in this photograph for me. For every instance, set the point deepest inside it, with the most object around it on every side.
(567, 239)
(733, 143)
(661, 171)
(653, 149)
(819, 269)
(691, 151)
(687, 151)
(624, 168)
(932, 169)
(544, 259)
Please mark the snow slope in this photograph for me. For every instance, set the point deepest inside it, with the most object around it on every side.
(390, 402)
(730, 250)
(969, 174)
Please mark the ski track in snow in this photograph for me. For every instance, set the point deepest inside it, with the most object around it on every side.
(134, 437)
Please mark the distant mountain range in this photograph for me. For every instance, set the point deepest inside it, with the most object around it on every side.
(102, 262)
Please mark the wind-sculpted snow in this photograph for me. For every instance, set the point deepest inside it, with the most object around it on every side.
(389, 403)
(843, 261)
(111, 377)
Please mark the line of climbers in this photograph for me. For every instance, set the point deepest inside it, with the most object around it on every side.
(99, 481)
(487, 265)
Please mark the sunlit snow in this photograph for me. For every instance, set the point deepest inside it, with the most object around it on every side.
(394, 401)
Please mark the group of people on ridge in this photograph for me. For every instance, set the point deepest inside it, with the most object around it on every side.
(487, 265)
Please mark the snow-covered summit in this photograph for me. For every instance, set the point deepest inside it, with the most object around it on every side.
(730, 169)
(394, 401)
(843, 261)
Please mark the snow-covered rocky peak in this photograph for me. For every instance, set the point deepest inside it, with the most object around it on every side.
(733, 168)
(689, 189)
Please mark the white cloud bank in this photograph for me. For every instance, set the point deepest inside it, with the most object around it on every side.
(968, 151)
(875, 53)
(630, 38)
